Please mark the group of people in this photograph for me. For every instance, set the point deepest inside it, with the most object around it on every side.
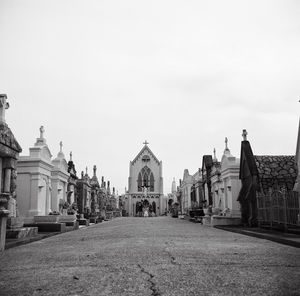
(145, 209)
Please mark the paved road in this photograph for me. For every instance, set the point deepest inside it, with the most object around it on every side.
(150, 256)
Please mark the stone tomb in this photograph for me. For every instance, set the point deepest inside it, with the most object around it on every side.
(9, 153)
(34, 180)
(225, 189)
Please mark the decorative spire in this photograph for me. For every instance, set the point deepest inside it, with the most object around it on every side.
(173, 186)
(86, 170)
(226, 151)
(61, 145)
(215, 158)
(244, 135)
(95, 170)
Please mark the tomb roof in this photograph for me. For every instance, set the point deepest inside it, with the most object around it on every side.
(276, 171)
(94, 179)
(7, 138)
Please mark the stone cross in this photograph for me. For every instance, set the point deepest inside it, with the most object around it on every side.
(244, 135)
(146, 143)
(3, 106)
(42, 130)
(61, 145)
(95, 169)
(226, 143)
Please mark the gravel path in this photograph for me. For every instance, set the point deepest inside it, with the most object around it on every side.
(150, 256)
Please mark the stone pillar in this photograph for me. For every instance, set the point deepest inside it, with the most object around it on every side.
(1, 174)
(7, 180)
(3, 221)
(48, 198)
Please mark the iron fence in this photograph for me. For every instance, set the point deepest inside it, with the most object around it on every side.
(279, 208)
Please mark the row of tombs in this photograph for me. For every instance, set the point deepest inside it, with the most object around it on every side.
(50, 195)
(251, 190)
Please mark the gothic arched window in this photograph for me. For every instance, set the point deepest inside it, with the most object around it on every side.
(145, 179)
(140, 182)
(151, 182)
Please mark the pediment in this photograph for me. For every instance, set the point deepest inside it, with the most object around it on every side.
(45, 153)
(60, 164)
(146, 155)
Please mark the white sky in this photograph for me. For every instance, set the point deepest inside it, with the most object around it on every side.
(103, 76)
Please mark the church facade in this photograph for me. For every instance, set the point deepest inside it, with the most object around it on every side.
(145, 184)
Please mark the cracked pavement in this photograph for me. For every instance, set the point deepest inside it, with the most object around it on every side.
(150, 256)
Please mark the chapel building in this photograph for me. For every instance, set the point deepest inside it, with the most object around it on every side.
(145, 183)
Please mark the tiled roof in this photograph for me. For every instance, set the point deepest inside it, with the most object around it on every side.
(276, 171)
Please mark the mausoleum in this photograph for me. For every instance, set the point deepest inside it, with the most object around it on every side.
(145, 184)
(34, 187)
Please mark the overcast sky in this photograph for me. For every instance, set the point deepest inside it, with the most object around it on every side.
(103, 76)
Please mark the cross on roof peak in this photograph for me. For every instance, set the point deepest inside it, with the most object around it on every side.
(42, 130)
(244, 135)
(146, 143)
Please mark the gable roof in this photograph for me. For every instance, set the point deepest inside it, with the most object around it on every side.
(142, 151)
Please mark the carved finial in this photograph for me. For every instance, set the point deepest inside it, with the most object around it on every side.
(86, 170)
(71, 156)
(226, 143)
(95, 170)
(42, 130)
(61, 145)
(244, 135)
(215, 158)
(146, 143)
(3, 106)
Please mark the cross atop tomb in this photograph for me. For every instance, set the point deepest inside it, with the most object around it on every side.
(3, 106)
(145, 143)
(244, 135)
(95, 170)
(42, 130)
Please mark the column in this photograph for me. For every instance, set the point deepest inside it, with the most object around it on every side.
(7, 180)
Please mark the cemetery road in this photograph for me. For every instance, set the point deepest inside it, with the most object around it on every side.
(150, 256)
